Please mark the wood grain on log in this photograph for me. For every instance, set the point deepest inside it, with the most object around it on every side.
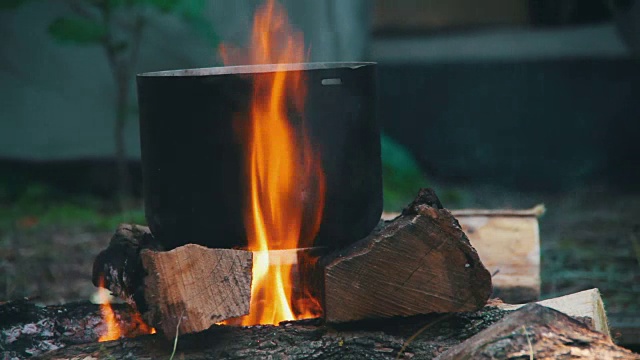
(421, 262)
(191, 284)
(193, 287)
(509, 246)
(585, 305)
(538, 332)
(508, 243)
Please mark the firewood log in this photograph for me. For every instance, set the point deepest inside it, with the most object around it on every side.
(508, 243)
(419, 263)
(585, 305)
(305, 339)
(73, 329)
(191, 285)
(538, 332)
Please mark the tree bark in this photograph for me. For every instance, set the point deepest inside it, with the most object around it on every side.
(586, 305)
(27, 330)
(122, 107)
(508, 243)
(301, 340)
(419, 263)
(120, 265)
(538, 332)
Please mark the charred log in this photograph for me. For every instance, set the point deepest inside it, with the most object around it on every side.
(119, 267)
(381, 339)
(538, 332)
(31, 330)
(28, 330)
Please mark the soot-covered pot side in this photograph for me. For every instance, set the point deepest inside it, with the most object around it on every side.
(194, 155)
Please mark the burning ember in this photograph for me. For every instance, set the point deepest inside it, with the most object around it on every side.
(114, 331)
(284, 173)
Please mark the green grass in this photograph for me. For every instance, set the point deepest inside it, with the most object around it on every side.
(24, 204)
(48, 240)
(41, 206)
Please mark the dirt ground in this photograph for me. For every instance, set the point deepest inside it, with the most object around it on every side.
(590, 238)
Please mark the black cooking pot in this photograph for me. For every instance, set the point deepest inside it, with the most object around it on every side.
(194, 162)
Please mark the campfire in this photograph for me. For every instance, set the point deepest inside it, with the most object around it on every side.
(113, 329)
(134, 326)
(263, 194)
(282, 170)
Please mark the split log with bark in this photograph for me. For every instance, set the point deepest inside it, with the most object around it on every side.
(538, 332)
(587, 306)
(419, 263)
(508, 243)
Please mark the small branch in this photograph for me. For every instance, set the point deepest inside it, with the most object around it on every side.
(122, 64)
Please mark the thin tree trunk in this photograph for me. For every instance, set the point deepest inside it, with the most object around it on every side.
(119, 70)
(122, 106)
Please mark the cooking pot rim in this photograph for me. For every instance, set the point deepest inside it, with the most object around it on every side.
(250, 69)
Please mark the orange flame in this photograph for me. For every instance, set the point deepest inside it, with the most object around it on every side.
(142, 326)
(137, 326)
(113, 329)
(286, 181)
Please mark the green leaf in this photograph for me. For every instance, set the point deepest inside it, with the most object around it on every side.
(77, 30)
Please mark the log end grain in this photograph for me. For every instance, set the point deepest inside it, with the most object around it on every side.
(421, 262)
(193, 287)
